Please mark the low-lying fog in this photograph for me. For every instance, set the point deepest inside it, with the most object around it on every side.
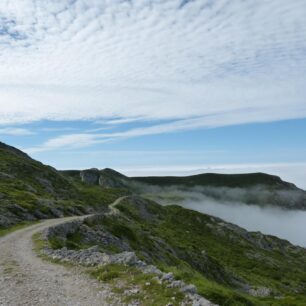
(229, 204)
(290, 225)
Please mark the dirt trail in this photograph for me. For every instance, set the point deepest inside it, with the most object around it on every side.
(25, 279)
(112, 207)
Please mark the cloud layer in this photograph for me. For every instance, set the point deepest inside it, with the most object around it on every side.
(201, 63)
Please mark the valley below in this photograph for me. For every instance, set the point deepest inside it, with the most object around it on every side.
(289, 225)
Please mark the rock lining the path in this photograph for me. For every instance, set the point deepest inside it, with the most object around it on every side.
(92, 256)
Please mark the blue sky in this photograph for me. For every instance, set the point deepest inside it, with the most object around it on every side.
(148, 86)
(276, 147)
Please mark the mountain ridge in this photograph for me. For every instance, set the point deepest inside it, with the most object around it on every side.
(252, 188)
(217, 179)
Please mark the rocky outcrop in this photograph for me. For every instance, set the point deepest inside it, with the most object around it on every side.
(62, 230)
(7, 221)
(90, 176)
(13, 214)
(106, 178)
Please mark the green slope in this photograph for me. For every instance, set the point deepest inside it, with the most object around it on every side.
(224, 261)
(30, 190)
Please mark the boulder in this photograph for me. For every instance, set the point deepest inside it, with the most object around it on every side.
(189, 289)
(167, 277)
(125, 258)
(260, 292)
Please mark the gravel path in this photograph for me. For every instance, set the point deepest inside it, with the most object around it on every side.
(26, 279)
(112, 208)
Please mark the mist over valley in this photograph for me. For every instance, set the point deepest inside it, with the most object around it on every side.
(236, 205)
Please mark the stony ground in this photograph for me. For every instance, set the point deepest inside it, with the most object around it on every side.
(26, 279)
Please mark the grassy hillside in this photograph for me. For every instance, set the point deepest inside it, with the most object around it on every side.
(229, 265)
(30, 190)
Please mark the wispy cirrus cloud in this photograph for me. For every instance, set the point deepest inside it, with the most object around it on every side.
(72, 141)
(151, 60)
(12, 131)
(95, 136)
